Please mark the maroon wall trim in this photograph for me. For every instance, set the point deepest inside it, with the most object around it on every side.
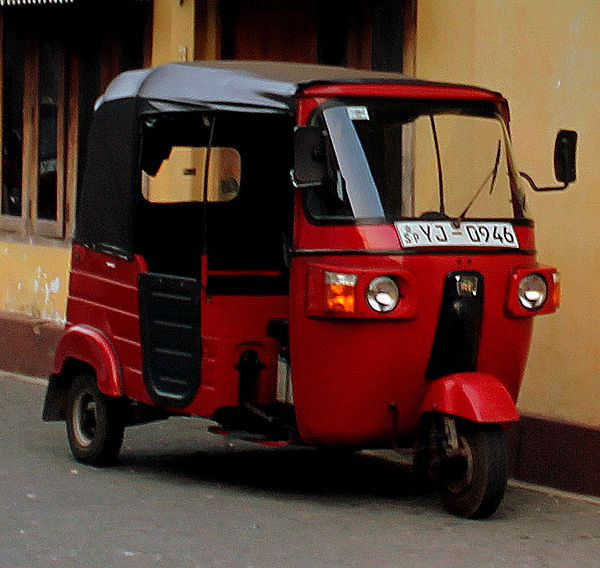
(27, 345)
(557, 453)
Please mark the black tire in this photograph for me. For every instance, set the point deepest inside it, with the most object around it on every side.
(424, 457)
(473, 486)
(95, 424)
(335, 453)
(422, 469)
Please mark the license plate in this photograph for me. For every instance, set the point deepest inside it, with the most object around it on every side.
(448, 234)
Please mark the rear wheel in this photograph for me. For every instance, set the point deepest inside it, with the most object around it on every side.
(474, 481)
(423, 469)
(94, 423)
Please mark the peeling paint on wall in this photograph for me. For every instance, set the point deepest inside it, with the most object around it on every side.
(34, 280)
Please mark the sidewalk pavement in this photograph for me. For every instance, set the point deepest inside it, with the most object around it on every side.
(181, 497)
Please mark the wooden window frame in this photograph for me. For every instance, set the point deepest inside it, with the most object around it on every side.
(31, 109)
(29, 222)
(69, 128)
(10, 223)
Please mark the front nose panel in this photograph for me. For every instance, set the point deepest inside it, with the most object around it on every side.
(456, 342)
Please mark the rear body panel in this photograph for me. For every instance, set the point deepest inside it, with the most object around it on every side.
(104, 295)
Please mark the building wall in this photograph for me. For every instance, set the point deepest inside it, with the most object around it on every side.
(544, 58)
(34, 280)
(34, 272)
(34, 283)
(173, 31)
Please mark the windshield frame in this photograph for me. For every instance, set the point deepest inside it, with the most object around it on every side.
(419, 107)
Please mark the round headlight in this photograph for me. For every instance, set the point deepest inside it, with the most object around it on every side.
(383, 294)
(533, 291)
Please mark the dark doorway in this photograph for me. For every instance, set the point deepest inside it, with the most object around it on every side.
(365, 34)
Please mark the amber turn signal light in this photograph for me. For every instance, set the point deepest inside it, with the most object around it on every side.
(339, 292)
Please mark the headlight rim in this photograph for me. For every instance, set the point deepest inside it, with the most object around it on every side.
(524, 301)
(371, 294)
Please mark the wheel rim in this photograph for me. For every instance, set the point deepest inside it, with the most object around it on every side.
(84, 419)
(458, 471)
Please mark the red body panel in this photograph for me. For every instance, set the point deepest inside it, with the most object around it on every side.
(231, 325)
(310, 97)
(374, 238)
(369, 366)
(91, 346)
(479, 397)
(103, 295)
(364, 365)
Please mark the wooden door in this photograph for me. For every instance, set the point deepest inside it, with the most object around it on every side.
(365, 34)
(270, 30)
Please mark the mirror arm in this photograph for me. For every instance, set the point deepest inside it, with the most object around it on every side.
(302, 185)
(536, 188)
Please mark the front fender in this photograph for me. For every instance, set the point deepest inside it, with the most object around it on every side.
(90, 345)
(479, 397)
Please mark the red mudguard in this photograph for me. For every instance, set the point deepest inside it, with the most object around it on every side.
(91, 346)
(479, 397)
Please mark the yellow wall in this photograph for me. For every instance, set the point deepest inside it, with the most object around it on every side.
(34, 280)
(544, 57)
(173, 31)
(184, 31)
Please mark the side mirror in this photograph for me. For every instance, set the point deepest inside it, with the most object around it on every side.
(309, 157)
(564, 156)
(565, 169)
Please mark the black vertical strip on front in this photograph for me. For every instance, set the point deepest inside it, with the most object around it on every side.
(170, 334)
(456, 343)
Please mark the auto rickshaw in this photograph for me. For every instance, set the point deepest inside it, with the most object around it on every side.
(305, 255)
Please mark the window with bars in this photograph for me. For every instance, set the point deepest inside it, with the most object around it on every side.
(52, 68)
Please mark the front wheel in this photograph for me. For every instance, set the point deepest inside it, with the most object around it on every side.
(95, 424)
(474, 481)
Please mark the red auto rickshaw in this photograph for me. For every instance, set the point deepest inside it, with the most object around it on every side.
(308, 255)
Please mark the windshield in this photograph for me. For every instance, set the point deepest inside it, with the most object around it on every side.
(391, 160)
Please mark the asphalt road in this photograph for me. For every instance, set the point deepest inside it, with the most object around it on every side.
(181, 497)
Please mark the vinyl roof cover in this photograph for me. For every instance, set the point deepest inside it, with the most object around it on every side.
(266, 85)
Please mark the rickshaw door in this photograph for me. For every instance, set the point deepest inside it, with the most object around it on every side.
(170, 334)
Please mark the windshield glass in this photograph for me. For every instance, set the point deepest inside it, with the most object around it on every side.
(390, 160)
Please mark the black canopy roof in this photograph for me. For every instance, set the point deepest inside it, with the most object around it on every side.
(267, 85)
(108, 199)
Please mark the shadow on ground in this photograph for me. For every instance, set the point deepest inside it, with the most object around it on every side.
(293, 471)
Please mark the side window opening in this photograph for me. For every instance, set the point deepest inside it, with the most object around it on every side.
(182, 175)
(249, 198)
